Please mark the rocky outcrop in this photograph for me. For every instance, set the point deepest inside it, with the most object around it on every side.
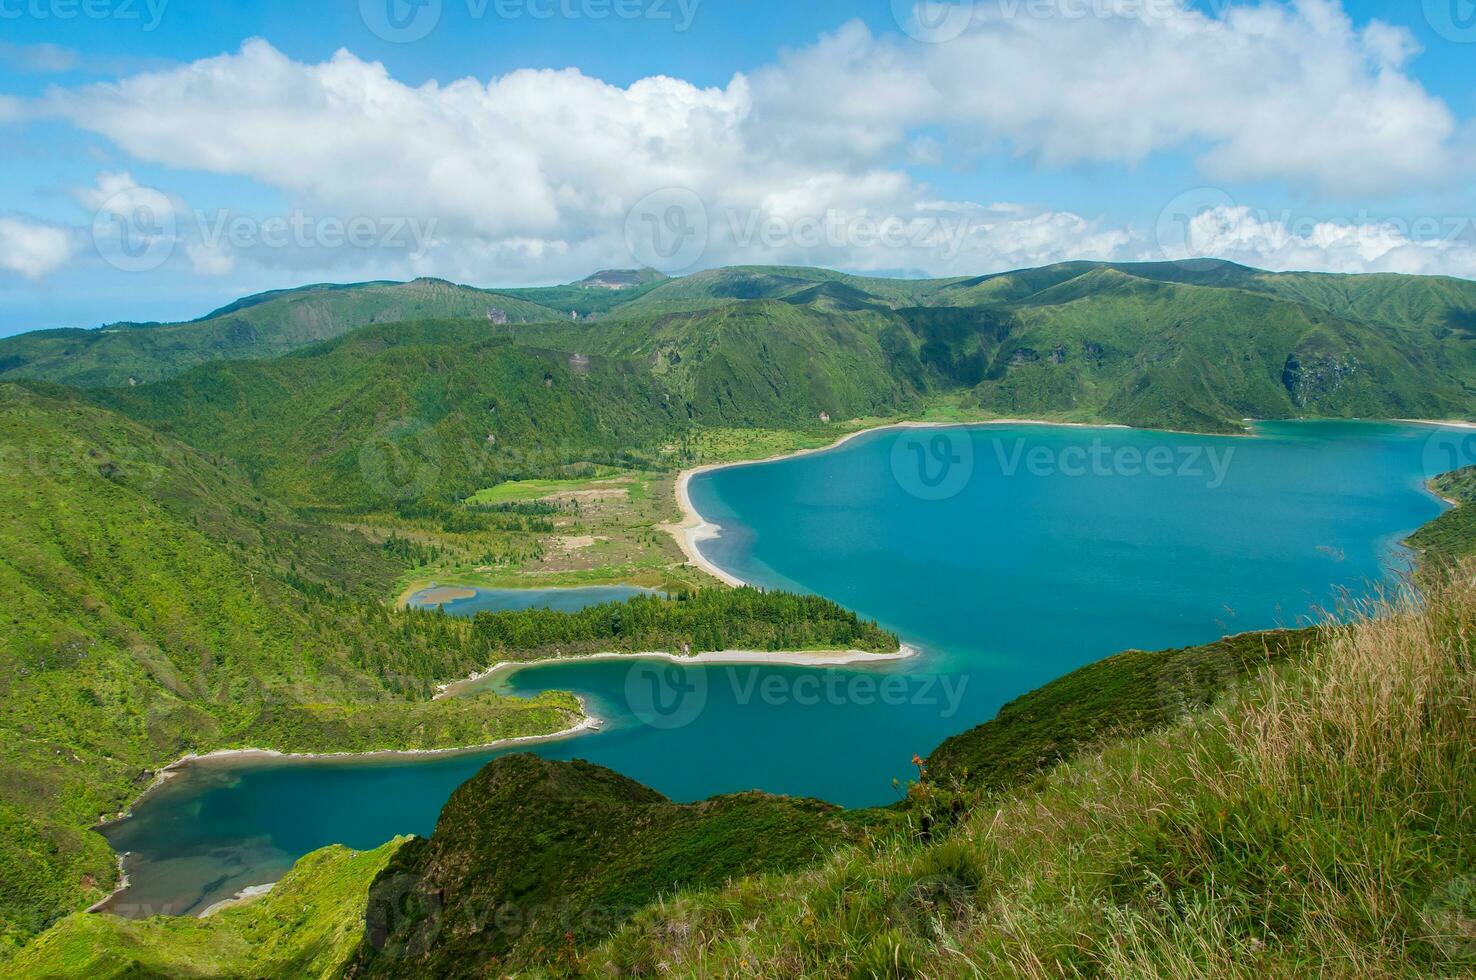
(1311, 378)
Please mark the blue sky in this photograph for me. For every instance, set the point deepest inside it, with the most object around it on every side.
(873, 137)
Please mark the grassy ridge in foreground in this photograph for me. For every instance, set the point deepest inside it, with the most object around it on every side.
(532, 859)
(1137, 692)
(1320, 821)
(307, 926)
(1124, 696)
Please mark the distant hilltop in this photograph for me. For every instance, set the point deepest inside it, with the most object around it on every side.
(622, 278)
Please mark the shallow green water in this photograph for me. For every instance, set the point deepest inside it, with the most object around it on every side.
(1010, 555)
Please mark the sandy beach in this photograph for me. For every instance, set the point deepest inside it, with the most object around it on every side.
(800, 658)
(1442, 423)
(588, 723)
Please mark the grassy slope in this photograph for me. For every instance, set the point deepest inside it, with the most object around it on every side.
(1120, 697)
(157, 605)
(307, 926)
(1185, 356)
(1322, 820)
(1152, 345)
(394, 413)
(267, 325)
(1452, 535)
(532, 859)
(1075, 716)
(760, 362)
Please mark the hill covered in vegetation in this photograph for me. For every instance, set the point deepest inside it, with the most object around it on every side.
(1195, 345)
(532, 860)
(1317, 821)
(705, 621)
(1272, 804)
(156, 605)
(265, 325)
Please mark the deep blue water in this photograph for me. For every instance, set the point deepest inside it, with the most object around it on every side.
(1010, 555)
(559, 600)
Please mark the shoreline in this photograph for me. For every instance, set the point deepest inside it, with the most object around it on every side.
(1440, 423)
(778, 658)
(588, 722)
(694, 528)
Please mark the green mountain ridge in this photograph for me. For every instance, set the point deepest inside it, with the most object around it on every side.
(265, 325)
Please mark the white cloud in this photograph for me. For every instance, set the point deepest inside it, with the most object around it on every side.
(1427, 246)
(531, 176)
(31, 249)
(1269, 91)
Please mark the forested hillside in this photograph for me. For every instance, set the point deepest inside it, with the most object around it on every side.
(1197, 345)
(266, 325)
(157, 604)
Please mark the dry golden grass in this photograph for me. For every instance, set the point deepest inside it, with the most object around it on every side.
(1318, 822)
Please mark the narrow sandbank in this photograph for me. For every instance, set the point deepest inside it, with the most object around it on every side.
(587, 723)
(439, 595)
(781, 658)
(1442, 423)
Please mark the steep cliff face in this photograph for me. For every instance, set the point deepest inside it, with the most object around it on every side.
(1312, 378)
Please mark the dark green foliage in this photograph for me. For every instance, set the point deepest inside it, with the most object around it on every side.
(394, 414)
(1130, 694)
(533, 859)
(1452, 535)
(1198, 345)
(709, 620)
(157, 604)
(266, 325)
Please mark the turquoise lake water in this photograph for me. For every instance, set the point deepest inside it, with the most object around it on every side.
(502, 600)
(1009, 555)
